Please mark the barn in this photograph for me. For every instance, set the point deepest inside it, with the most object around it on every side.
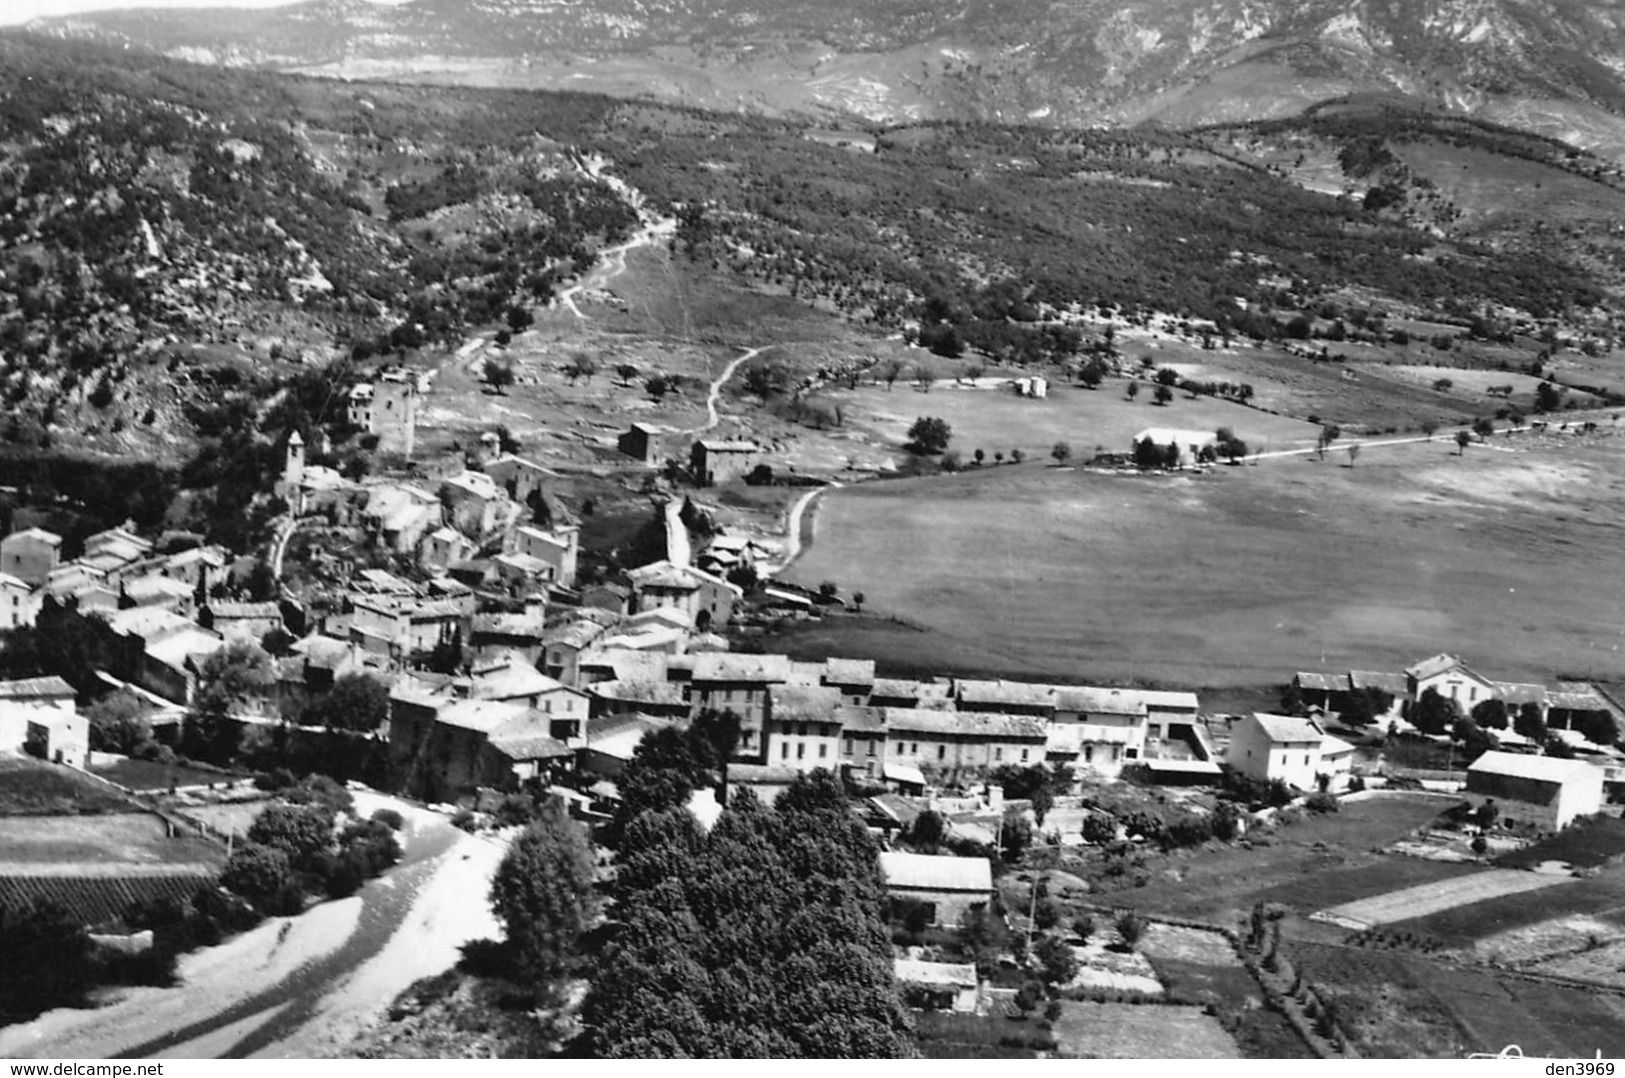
(1542, 790)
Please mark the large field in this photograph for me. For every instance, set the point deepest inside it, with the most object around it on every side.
(1128, 1031)
(1507, 555)
(1424, 899)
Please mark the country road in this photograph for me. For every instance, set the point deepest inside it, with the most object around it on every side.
(712, 415)
(792, 544)
(297, 986)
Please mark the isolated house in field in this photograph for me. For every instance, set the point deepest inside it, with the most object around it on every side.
(30, 554)
(712, 461)
(1540, 790)
(949, 886)
(645, 443)
(1269, 747)
(37, 719)
(1188, 443)
(1451, 678)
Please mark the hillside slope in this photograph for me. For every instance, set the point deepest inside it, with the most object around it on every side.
(1552, 66)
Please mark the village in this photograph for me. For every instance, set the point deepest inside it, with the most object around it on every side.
(506, 676)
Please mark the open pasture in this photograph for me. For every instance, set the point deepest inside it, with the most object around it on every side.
(1507, 556)
(1131, 1031)
(996, 419)
(117, 839)
(1435, 897)
(1591, 842)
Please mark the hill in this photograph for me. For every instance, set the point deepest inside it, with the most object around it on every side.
(1549, 67)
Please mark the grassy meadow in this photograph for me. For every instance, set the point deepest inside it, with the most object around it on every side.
(1508, 556)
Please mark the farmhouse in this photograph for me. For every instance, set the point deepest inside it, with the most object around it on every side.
(713, 462)
(644, 443)
(1188, 443)
(949, 886)
(1097, 728)
(19, 603)
(38, 717)
(1269, 747)
(1542, 790)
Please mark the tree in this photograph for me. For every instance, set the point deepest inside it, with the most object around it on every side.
(1057, 960)
(1015, 835)
(1435, 714)
(1017, 456)
(1062, 452)
(230, 680)
(357, 701)
(1167, 376)
(1354, 452)
(1364, 705)
(118, 722)
(1099, 828)
(498, 374)
(1133, 390)
(1547, 397)
(980, 455)
(1228, 445)
(1130, 929)
(1329, 433)
(302, 832)
(543, 894)
(929, 436)
(1429, 426)
(857, 601)
(928, 830)
(890, 372)
(1491, 714)
(1463, 440)
(626, 372)
(256, 872)
(1483, 426)
(1046, 914)
(657, 385)
(1530, 722)
(581, 365)
(49, 959)
(1599, 728)
(1162, 395)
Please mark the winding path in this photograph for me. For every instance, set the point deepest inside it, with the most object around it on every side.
(713, 417)
(792, 544)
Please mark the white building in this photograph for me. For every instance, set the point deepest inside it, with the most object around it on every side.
(1269, 747)
(1542, 790)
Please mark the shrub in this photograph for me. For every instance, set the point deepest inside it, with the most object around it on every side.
(1084, 926)
(1321, 802)
(390, 818)
(464, 820)
(256, 873)
(1130, 929)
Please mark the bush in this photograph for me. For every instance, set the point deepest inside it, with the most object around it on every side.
(463, 820)
(279, 779)
(1321, 802)
(1130, 929)
(390, 818)
(257, 873)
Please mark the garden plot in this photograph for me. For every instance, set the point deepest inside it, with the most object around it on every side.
(1532, 945)
(1601, 964)
(1100, 967)
(1130, 1031)
(1427, 898)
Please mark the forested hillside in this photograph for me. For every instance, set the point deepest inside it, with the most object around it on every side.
(174, 236)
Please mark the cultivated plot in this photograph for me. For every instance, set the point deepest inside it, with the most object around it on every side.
(1429, 898)
(1129, 1031)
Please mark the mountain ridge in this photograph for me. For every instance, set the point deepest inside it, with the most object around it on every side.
(1551, 65)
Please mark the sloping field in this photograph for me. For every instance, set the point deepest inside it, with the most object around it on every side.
(1433, 897)
(1503, 927)
(29, 786)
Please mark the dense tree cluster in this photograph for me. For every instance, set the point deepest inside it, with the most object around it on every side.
(762, 938)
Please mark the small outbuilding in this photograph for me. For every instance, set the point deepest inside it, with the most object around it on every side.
(1542, 790)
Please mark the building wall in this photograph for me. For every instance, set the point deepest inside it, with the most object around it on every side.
(746, 699)
(941, 753)
(1454, 685)
(864, 752)
(711, 468)
(804, 746)
(949, 907)
(27, 558)
(1546, 804)
(394, 415)
(18, 608)
(1252, 754)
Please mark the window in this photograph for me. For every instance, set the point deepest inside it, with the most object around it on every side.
(871, 750)
(914, 748)
(1306, 759)
(801, 751)
(1024, 755)
(942, 752)
(823, 751)
(1472, 693)
(998, 754)
(847, 747)
(784, 750)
